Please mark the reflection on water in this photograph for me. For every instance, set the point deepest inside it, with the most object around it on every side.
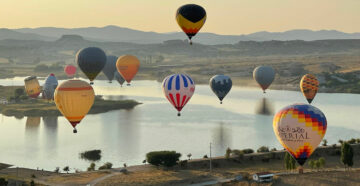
(221, 138)
(264, 107)
(50, 131)
(125, 136)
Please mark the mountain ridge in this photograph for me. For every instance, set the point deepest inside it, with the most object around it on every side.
(123, 34)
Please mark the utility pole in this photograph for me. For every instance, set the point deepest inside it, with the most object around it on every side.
(210, 159)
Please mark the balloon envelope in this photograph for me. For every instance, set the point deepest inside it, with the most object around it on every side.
(119, 78)
(264, 76)
(70, 70)
(220, 85)
(110, 67)
(128, 66)
(300, 129)
(32, 86)
(91, 61)
(74, 99)
(178, 89)
(309, 86)
(191, 18)
(49, 87)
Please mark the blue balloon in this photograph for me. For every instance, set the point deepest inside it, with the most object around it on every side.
(220, 85)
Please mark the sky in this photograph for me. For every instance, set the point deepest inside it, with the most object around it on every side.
(223, 16)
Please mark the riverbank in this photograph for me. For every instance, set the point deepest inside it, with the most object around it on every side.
(224, 171)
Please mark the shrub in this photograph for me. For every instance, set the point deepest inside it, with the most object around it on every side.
(183, 163)
(57, 170)
(347, 155)
(32, 183)
(352, 141)
(3, 181)
(324, 142)
(311, 164)
(107, 165)
(322, 162)
(205, 156)
(238, 153)
(263, 149)
(91, 155)
(164, 158)
(273, 150)
(248, 151)
(91, 167)
(228, 153)
(66, 169)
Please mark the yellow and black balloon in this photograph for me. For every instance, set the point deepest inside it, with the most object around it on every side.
(191, 18)
(309, 86)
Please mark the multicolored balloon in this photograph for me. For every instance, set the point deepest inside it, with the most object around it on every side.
(74, 99)
(32, 86)
(119, 78)
(178, 89)
(110, 67)
(128, 66)
(91, 61)
(309, 86)
(49, 87)
(191, 18)
(70, 70)
(300, 129)
(264, 76)
(220, 85)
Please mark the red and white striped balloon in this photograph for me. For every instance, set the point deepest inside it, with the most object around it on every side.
(178, 89)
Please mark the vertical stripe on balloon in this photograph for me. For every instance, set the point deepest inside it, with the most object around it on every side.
(170, 82)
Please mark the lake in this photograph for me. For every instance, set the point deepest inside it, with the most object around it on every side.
(244, 120)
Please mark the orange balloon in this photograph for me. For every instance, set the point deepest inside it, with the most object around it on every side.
(128, 66)
(309, 86)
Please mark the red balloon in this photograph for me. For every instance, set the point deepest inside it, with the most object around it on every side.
(70, 70)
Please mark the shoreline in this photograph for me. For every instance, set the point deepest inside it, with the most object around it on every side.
(194, 171)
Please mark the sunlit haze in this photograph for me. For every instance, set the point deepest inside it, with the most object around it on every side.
(224, 17)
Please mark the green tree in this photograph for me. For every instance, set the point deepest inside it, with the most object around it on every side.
(287, 161)
(66, 169)
(322, 162)
(164, 158)
(3, 181)
(107, 165)
(238, 153)
(317, 164)
(189, 156)
(263, 149)
(91, 167)
(324, 142)
(347, 155)
(311, 164)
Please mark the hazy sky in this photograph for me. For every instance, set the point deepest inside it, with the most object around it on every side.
(224, 16)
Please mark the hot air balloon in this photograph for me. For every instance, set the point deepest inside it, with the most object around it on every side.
(128, 66)
(264, 76)
(309, 86)
(191, 18)
(110, 67)
(119, 78)
(178, 89)
(49, 87)
(91, 61)
(32, 86)
(220, 85)
(300, 129)
(70, 70)
(74, 99)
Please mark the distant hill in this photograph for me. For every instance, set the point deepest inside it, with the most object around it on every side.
(11, 34)
(120, 34)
